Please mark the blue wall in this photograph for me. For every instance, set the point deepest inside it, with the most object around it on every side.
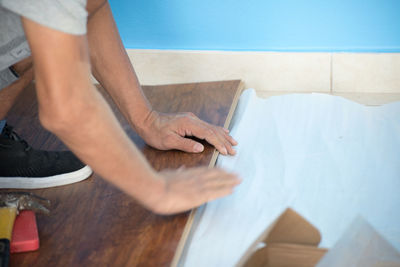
(265, 25)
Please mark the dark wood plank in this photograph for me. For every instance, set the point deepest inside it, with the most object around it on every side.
(94, 224)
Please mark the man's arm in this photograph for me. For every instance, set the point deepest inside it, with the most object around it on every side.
(113, 69)
(71, 108)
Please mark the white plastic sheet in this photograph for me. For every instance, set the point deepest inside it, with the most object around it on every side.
(328, 158)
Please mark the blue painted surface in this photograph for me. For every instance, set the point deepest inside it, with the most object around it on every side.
(265, 25)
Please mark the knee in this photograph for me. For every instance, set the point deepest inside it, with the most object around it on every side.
(22, 66)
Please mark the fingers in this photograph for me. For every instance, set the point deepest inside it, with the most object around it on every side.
(185, 144)
(223, 137)
(229, 138)
(216, 178)
(213, 177)
(176, 127)
(217, 183)
(189, 188)
(222, 182)
(216, 136)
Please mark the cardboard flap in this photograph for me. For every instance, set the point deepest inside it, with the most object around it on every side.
(282, 255)
(289, 227)
(293, 229)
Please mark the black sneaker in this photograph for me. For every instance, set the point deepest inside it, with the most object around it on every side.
(21, 166)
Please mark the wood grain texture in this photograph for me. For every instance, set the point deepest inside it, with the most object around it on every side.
(93, 223)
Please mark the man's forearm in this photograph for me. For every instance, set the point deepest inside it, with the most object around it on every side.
(92, 132)
(112, 67)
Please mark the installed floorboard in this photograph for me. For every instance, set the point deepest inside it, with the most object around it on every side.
(94, 224)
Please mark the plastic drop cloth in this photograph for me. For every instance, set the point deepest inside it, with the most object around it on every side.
(328, 158)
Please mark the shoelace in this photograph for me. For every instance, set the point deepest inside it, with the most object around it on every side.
(8, 132)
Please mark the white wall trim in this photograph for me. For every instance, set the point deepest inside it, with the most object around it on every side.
(273, 71)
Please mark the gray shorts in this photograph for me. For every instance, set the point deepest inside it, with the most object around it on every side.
(68, 16)
(13, 44)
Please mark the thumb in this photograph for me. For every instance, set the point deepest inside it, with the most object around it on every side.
(188, 145)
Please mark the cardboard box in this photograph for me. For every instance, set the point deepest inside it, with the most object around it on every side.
(292, 241)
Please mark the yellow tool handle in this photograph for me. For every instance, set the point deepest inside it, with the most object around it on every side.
(7, 218)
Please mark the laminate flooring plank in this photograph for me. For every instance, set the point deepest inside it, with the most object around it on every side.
(93, 223)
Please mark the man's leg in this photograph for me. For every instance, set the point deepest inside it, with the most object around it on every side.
(9, 94)
(23, 72)
(21, 166)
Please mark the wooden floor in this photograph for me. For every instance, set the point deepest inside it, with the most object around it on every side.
(94, 224)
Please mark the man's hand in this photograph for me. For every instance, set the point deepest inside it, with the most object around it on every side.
(184, 189)
(170, 131)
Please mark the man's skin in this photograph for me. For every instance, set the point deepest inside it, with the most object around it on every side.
(72, 108)
(9, 94)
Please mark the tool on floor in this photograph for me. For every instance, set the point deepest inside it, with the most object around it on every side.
(25, 236)
(10, 204)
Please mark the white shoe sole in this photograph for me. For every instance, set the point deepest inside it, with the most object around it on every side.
(45, 182)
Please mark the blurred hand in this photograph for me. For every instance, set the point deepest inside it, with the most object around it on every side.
(185, 189)
(169, 131)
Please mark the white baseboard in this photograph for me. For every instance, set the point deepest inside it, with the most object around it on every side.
(273, 71)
